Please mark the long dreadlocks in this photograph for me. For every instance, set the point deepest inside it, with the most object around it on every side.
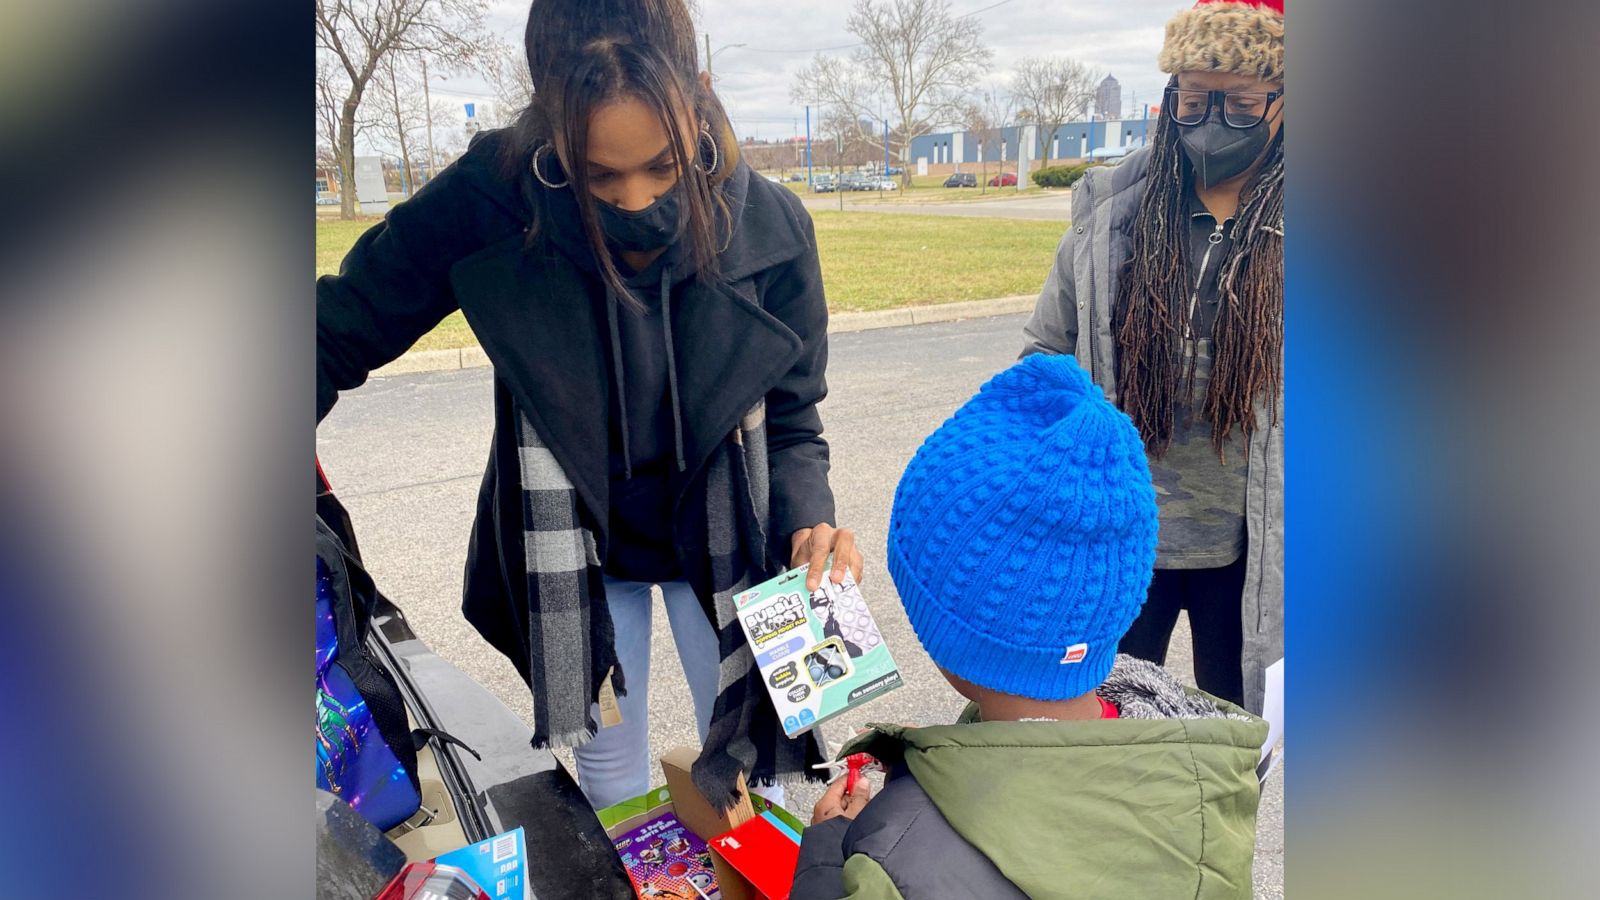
(1152, 300)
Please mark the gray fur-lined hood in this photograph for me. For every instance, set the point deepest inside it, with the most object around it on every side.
(1144, 690)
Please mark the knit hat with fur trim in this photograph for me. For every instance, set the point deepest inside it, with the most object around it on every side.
(1240, 37)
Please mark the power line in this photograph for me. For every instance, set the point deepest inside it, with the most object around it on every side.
(984, 10)
(812, 50)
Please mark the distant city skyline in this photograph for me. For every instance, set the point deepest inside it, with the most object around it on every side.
(1108, 99)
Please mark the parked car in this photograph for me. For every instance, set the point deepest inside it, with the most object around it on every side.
(888, 184)
(797, 178)
(327, 201)
(775, 179)
(961, 180)
(895, 170)
(823, 184)
(1004, 179)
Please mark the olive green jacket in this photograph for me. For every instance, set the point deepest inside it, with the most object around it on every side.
(1114, 808)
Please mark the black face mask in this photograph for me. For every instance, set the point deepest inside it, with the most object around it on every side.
(651, 228)
(1218, 152)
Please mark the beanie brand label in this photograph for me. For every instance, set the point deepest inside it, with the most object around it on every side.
(1075, 654)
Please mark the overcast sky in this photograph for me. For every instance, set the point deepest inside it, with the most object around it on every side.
(1118, 37)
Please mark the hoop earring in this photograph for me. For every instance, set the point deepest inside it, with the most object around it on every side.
(539, 173)
(715, 154)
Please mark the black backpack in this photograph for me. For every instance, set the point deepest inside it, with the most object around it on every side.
(363, 733)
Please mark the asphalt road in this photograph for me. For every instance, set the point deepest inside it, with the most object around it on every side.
(1055, 206)
(406, 454)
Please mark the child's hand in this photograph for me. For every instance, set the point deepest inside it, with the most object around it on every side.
(836, 802)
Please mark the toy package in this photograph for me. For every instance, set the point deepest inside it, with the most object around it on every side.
(765, 851)
(488, 870)
(663, 857)
(819, 656)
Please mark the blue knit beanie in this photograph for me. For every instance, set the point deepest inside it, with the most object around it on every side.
(1023, 536)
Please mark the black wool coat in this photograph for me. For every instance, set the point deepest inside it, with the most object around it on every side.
(758, 331)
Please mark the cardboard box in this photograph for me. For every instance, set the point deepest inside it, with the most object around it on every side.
(818, 656)
(764, 851)
(682, 802)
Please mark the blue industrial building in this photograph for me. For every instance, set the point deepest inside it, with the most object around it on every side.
(1075, 140)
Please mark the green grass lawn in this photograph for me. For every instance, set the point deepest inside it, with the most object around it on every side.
(870, 261)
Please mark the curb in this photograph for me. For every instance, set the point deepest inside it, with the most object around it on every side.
(839, 323)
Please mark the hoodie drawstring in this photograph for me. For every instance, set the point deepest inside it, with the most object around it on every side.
(620, 375)
(672, 368)
(616, 369)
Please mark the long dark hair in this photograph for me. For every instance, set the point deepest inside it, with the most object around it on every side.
(583, 54)
(1148, 319)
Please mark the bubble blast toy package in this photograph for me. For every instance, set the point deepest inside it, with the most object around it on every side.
(819, 656)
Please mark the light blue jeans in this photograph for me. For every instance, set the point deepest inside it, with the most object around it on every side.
(617, 764)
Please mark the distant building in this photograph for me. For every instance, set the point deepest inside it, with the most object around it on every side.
(1108, 100)
(1072, 141)
(327, 181)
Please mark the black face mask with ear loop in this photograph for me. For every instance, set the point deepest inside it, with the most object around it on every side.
(657, 225)
(1219, 152)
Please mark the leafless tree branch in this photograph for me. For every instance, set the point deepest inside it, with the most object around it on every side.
(1057, 90)
(915, 62)
(363, 36)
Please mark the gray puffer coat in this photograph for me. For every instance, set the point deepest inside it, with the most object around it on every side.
(1073, 317)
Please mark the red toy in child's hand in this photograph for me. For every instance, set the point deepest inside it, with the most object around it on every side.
(854, 763)
(853, 766)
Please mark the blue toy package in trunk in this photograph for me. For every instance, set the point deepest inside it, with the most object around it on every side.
(365, 753)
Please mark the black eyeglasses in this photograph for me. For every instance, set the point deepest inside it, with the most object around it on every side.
(1240, 109)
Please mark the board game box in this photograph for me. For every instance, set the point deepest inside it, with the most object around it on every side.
(498, 865)
(663, 857)
(820, 655)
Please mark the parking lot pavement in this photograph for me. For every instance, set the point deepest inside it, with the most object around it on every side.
(406, 454)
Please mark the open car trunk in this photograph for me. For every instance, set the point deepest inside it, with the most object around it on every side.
(501, 784)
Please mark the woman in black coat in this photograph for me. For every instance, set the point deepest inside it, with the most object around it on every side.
(656, 322)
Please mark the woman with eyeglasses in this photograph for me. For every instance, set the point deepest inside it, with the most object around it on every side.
(655, 318)
(1168, 288)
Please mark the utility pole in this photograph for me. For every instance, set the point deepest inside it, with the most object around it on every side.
(427, 101)
(838, 168)
(886, 148)
(708, 55)
(810, 181)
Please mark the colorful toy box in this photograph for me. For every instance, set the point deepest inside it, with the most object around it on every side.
(769, 851)
(820, 655)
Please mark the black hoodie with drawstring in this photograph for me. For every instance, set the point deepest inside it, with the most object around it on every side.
(631, 405)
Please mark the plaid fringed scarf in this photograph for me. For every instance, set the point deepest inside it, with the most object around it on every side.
(570, 638)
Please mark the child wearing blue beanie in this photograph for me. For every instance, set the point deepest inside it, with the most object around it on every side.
(1022, 542)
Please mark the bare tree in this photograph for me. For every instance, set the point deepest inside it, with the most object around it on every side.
(359, 35)
(920, 57)
(451, 133)
(767, 156)
(987, 116)
(507, 70)
(1056, 90)
(402, 114)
